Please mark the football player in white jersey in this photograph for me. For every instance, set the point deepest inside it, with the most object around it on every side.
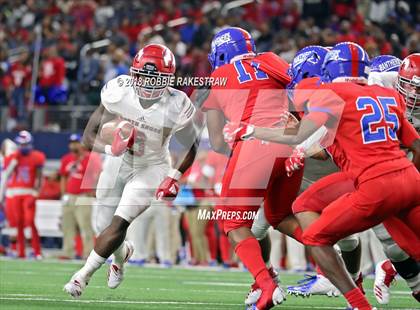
(156, 112)
(404, 75)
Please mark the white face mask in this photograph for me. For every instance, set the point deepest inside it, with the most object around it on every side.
(411, 93)
(150, 86)
(385, 79)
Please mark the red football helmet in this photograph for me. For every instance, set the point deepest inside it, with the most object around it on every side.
(152, 70)
(408, 83)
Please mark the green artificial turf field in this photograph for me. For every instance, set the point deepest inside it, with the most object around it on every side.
(38, 285)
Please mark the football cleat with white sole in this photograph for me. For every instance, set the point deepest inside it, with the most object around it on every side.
(271, 295)
(384, 275)
(255, 292)
(76, 286)
(116, 272)
(313, 285)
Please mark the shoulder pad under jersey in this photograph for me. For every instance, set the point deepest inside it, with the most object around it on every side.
(114, 90)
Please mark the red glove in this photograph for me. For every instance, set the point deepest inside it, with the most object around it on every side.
(119, 144)
(169, 188)
(233, 132)
(295, 161)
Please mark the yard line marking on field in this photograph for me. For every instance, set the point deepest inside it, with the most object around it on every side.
(191, 303)
(215, 283)
(89, 301)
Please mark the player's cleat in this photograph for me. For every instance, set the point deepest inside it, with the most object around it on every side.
(76, 286)
(313, 285)
(272, 295)
(166, 264)
(384, 275)
(116, 272)
(255, 291)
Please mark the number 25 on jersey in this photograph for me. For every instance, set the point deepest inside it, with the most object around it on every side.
(380, 124)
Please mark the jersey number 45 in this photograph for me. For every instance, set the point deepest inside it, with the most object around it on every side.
(381, 124)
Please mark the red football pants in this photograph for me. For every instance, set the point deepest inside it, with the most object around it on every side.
(324, 191)
(256, 173)
(371, 203)
(20, 213)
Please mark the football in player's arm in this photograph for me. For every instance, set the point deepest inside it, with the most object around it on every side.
(188, 136)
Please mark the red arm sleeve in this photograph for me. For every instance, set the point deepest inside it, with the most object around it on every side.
(407, 133)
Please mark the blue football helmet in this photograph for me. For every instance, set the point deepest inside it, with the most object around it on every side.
(24, 140)
(385, 63)
(307, 63)
(346, 61)
(229, 43)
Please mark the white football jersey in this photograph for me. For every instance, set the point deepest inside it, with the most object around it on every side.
(155, 125)
(385, 79)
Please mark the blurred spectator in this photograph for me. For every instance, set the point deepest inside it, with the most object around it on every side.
(88, 82)
(214, 169)
(20, 72)
(51, 78)
(50, 188)
(154, 221)
(79, 172)
(117, 66)
(197, 226)
(5, 78)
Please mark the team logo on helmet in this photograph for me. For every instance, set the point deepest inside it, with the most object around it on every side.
(224, 38)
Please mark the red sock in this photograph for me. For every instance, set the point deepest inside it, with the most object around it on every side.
(319, 271)
(20, 240)
(297, 234)
(36, 242)
(357, 300)
(249, 252)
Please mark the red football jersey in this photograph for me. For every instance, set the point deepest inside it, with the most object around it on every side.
(303, 91)
(254, 90)
(368, 131)
(82, 173)
(24, 174)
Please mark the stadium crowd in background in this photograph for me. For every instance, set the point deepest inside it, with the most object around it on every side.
(68, 76)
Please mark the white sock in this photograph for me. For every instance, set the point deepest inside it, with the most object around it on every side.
(120, 255)
(355, 276)
(414, 283)
(93, 263)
